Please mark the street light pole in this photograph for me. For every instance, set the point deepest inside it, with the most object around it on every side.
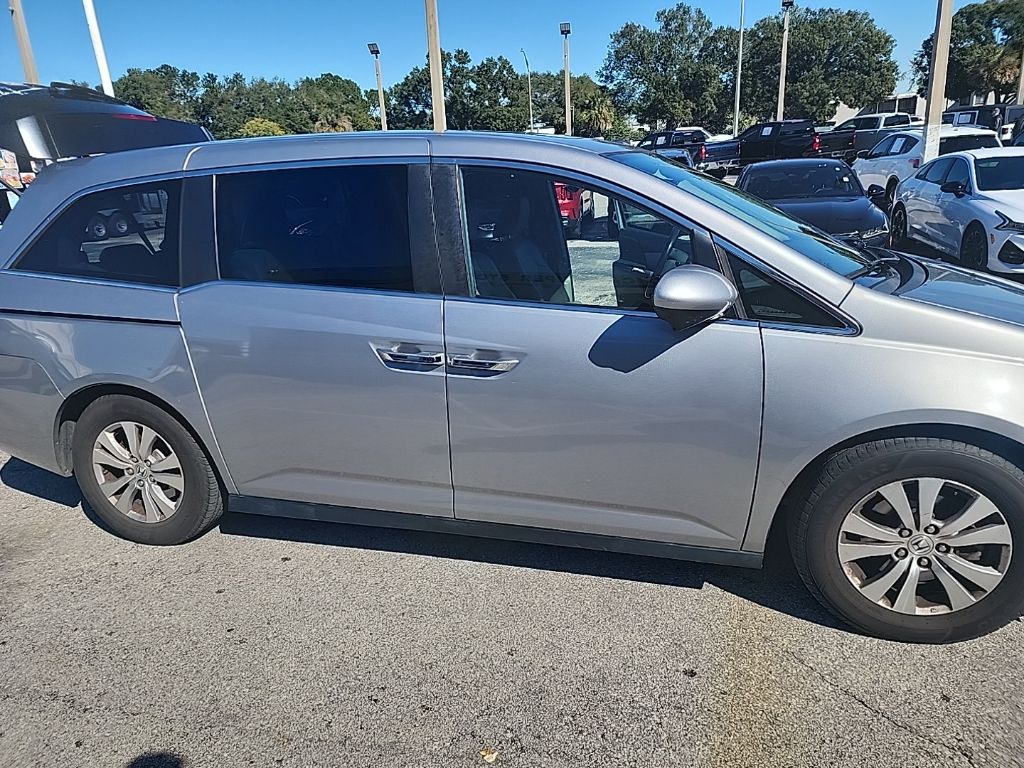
(739, 75)
(1020, 84)
(97, 47)
(529, 86)
(566, 29)
(937, 82)
(375, 52)
(436, 68)
(787, 6)
(28, 61)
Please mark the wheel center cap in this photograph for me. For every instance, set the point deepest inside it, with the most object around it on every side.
(921, 545)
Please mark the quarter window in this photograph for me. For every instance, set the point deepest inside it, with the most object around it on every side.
(765, 298)
(339, 226)
(128, 234)
(538, 238)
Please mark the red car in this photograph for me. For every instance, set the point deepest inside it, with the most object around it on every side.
(575, 205)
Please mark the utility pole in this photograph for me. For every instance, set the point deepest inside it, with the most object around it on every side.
(787, 6)
(375, 52)
(28, 61)
(97, 47)
(566, 29)
(937, 82)
(1020, 84)
(739, 75)
(529, 86)
(436, 68)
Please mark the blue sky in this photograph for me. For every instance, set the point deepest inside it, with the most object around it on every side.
(295, 38)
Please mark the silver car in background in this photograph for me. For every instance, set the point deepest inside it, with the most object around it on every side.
(394, 330)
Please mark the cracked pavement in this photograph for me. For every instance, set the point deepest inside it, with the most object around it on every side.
(272, 642)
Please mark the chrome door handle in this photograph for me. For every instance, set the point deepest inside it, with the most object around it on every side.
(470, 363)
(411, 358)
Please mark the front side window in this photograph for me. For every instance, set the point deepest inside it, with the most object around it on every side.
(537, 238)
(896, 120)
(128, 234)
(936, 172)
(959, 174)
(342, 226)
(770, 221)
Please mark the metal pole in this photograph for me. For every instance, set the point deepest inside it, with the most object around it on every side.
(28, 61)
(739, 75)
(380, 94)
(1020, 85)
(568, 86)
(780, 112)
(937, 83)
(529, 86)
(97, 47)
(436, 72)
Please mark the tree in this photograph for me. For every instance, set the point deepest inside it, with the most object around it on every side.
(260, 126)
(986, 44)
(165, 91)
(671, 74)
(834, 56)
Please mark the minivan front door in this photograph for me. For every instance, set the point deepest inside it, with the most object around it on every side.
(319, 352)
(581, 410)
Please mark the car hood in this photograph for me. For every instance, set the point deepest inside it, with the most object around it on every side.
(835, 215)
(965, 290)
(1005, 199)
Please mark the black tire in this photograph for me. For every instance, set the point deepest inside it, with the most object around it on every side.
(850, 475)
(202, 501)
(899, 232)
(890, 192)
(97, 227)
(119, 224)
(974, 248)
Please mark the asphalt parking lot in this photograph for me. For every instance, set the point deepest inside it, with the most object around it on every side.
(273, 642)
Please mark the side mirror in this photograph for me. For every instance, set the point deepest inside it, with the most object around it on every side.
(690, 295)
(876, 191)
(864, 154)
(957, 188)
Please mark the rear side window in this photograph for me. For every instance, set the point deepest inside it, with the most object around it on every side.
(896, 120)
(128, 234)
(340, 226)
(902, 145)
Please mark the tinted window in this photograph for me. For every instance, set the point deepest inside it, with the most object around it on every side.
(341, 226)
(129, 234)
(883, 147)
(536, 238)
(936, 172)
(896, 120)
(959, 173)
(765, 298)
(685, 138)
(795, 180)
(770, 221)
(966, 143)
(859, 124)
(788, 129)
(1000, 172)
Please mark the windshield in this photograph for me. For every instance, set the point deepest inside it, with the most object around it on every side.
(806, 240)
(1000, 173)
(803, 180)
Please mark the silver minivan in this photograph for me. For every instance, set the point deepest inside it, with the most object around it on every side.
(397, 329)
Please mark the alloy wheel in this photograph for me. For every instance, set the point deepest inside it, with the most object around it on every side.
(925, 546)
(900, 227)
(138, 472)
(974, 251)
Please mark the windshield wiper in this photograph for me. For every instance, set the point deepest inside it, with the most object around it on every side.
(880, 264)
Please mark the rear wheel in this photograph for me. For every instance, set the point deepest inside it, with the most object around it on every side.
(974, 247)
(900, 229)
(914, 539)
(142, 472)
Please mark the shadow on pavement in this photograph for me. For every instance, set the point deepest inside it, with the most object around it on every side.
(24, 477)
(777, 586)
(156, 760)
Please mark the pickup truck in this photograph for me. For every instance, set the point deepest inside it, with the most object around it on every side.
(775, 141)
(868, 130)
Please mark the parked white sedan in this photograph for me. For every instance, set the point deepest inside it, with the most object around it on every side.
(899, 155)
(969, 205)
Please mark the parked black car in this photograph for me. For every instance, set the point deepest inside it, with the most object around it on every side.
(776, 141)
(824, 193)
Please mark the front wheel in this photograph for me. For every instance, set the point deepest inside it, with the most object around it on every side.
(142, 472)
(899, 232)
(974, 248)
(915, 539)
